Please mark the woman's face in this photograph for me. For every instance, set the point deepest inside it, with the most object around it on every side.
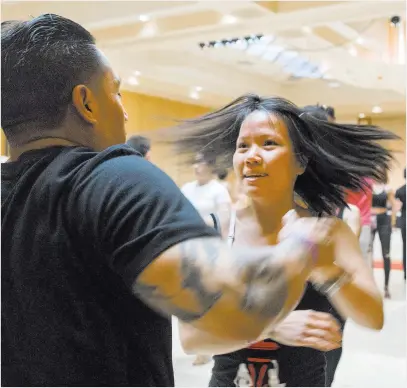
(264, 160)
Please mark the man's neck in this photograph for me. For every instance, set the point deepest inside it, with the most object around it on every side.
(16, 152)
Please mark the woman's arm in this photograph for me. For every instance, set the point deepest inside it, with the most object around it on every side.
(305, 328)
(359, 299)
(195, 341)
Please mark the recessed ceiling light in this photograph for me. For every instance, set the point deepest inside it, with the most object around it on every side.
(133, 81)
(362, 115)
(306, 29)
(352, 51)
(144, 18)
(228, 19)
(334, 84)
(136, 73)
(360, 40)
(198, 88)
(377, 109)
(194, 95)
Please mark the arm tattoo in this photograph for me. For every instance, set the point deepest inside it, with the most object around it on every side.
(193, 276)
(198, 261)
(263, 286)
(266, 289)
(163, 303)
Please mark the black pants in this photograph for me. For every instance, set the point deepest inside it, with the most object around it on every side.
(333, 356)
(383, 227)
(403, 235)
(332, 360)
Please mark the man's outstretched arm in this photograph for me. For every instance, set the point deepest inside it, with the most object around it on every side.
(233, 293)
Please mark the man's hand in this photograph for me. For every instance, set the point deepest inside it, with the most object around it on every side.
(308, 328)
(318, 233)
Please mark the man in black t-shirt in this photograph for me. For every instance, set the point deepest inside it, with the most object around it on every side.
(401, 196)
(99, 247)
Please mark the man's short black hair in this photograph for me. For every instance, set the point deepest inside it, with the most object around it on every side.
(42, 60)
(140, 143)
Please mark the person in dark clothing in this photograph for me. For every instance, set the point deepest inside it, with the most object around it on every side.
(100, 247)
(277, 151)
(401, 196)
(383, 207)
(140, 144)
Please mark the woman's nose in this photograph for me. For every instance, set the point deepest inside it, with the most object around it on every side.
(253, 156)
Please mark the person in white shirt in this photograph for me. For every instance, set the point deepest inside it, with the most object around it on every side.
(208, 196)
(206, 193)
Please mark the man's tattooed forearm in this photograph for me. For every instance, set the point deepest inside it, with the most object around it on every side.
(266, 290)
(163, 303)
(260, 287)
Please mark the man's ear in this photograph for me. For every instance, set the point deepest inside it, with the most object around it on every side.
(83, 101)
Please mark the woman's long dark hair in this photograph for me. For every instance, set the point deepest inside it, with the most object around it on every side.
(336, 156)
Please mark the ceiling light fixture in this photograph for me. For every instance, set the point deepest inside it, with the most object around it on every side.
(360, 40)
(133, 81)
(352, 51)
(377, 109)
(198, 88)
(395, 21)
(144, 18)
(194, 95)
(246, 41)
(362, 115)
(229, 19)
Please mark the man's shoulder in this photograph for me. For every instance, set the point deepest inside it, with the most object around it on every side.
(116, 161)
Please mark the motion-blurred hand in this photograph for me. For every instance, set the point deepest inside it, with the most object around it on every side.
(316, 233)
(308, 328)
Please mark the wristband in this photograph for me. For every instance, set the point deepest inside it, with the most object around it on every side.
(332, 286)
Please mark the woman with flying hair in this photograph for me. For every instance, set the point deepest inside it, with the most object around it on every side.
(279, 152)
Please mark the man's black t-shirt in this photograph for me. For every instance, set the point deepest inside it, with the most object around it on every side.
(78, 228)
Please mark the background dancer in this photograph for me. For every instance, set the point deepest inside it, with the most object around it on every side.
(142, 145)
(383, 207)
(401, 197)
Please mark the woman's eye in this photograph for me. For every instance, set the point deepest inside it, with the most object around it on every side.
(270, 143)
(242, 145)
(119, 94)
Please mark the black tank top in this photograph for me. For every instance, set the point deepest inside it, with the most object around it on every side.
(269, 363)
(379, 200)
